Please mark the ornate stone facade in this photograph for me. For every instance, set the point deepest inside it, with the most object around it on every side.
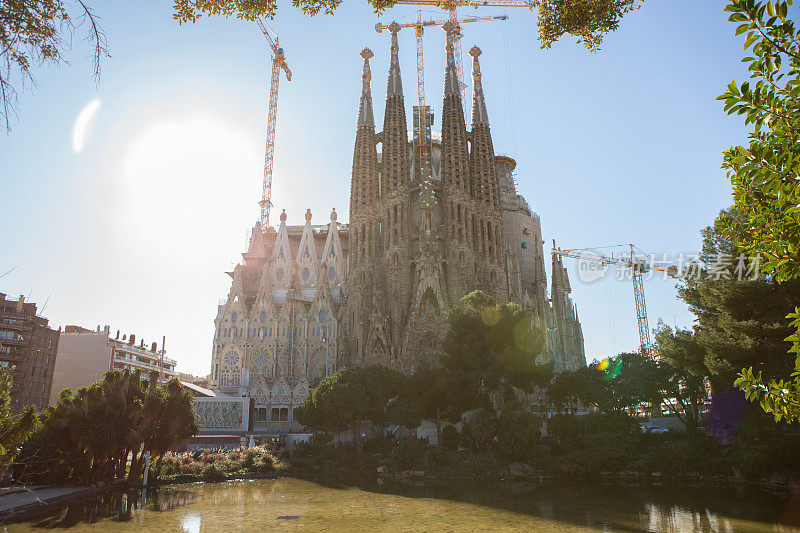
(430, 221)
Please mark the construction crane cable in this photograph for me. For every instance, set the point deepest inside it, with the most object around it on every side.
(510, 86)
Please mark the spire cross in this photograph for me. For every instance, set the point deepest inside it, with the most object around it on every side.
(365, 107)
(367, 54)
(394, 86)
(475, 52)
(394, 27)
(451, 82)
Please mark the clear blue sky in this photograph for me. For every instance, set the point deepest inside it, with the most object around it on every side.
(137, 230)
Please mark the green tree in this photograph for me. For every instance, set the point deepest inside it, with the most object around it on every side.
(611, 385)
(14, 428)
(683, 374)
(433, 393)
(588, 20)
(764, 173)
(741, 322)
(349, 399)
(101, 432)
(39, 32)
(490, 349)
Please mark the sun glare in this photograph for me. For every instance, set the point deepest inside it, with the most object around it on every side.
(83, 124)
(190, 177)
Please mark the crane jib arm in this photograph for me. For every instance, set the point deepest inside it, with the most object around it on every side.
(465, 3)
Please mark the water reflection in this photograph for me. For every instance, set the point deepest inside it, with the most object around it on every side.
(342, 505)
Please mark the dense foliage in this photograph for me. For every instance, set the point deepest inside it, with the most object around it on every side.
(764, 174)
(14, 428)
(101, 432)
(212, 465)
(349, 399)
(741, 314)
(588, 20)
(490, 349)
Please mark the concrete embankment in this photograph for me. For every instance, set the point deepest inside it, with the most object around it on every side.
(23, 502)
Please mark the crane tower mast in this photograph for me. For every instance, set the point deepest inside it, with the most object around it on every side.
(278, 64)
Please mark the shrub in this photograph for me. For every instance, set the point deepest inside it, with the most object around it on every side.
(439, 458)
(565, 428)
(450, 437)
(265, 465)
(467, 441)
(194, 468)
(517, 432)
(622, 423)
(213, 473)
(480, 466)
(483, 426)
(380, 444)
(409, 454)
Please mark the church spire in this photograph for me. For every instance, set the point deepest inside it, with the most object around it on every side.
(450, 73)
(455, 165)
(479, 114)
(483, 168)
(394, 86)
(395, 162)
(364, 181)
(365, 109)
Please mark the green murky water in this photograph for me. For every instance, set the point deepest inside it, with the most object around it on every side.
(336, 505)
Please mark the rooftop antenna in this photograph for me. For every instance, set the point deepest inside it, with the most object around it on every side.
(9, 272)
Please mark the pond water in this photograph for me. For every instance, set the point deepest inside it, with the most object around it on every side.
(290, 504)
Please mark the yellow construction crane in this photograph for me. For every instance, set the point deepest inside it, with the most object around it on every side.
(452, 9)
(278, 63)
(422, 115)
(638, 267)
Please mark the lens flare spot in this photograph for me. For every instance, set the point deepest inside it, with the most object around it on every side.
(610, 368)
(83, 125)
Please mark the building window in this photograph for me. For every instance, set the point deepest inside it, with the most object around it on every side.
(284, 414)
(275, 414)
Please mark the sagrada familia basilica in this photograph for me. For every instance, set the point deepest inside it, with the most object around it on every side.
(433, 216)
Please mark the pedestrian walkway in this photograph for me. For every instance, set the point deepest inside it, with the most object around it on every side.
(21, 498)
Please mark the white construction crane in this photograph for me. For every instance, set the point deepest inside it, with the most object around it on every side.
(452, 9)
(638, 267)
(278, 63)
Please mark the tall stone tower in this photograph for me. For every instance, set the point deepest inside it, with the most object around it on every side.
(421, 237)
(424, 231)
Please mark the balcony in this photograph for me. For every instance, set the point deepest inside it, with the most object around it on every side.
(123, 360)
(17, 324)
